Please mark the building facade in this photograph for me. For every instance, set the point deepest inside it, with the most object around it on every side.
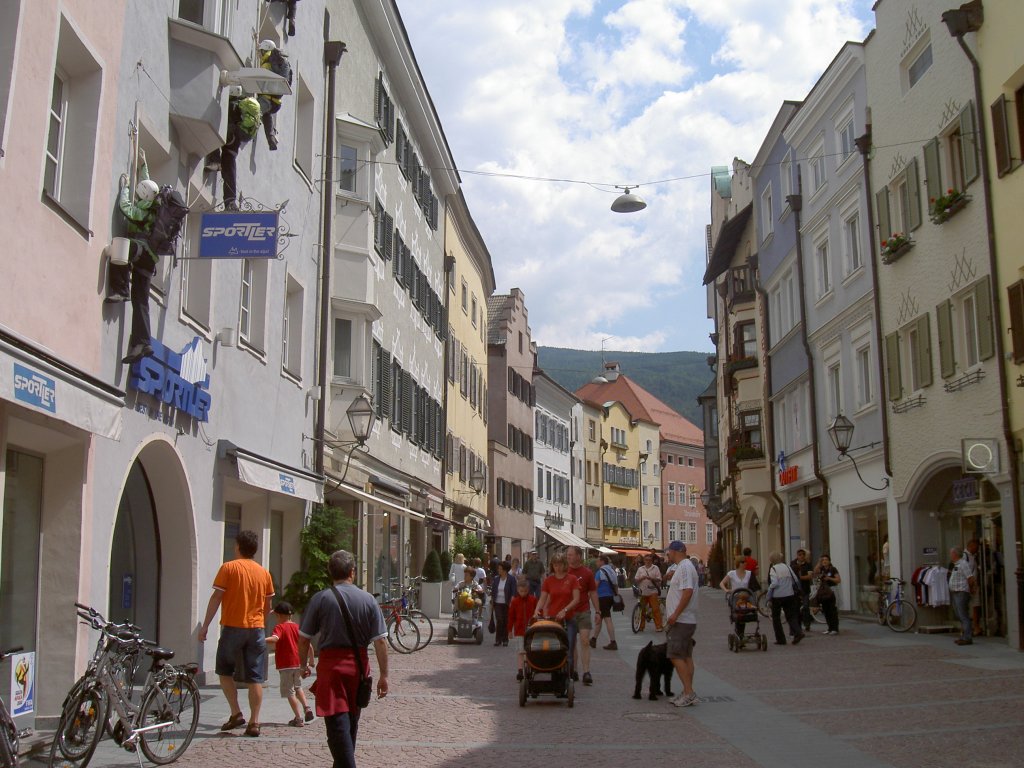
(552, 454)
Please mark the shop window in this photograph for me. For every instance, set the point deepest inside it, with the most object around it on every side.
(305, 106)
(19, 549)
(291, 335)
(252, 315)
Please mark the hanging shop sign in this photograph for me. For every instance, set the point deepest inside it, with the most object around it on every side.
(239, 235)
(179, 379)
(965, 489)
(788, 475)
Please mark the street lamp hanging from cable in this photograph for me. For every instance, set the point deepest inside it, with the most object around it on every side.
(627, 202)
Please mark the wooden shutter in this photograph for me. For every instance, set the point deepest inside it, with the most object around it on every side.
(924, 357)
(1001, 134)
(400, 145)
(407, 402)
(882, 206)
(892, 366)
(969, 143)
(986, 323)
(396, 396)
(944, 320)
(1015, 296)
(932, 170)
(914, 195)
(383, 408)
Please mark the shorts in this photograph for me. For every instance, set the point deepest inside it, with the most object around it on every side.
(291, 681)
(583, 620)
(516, 644)
(680, 640)
(240, 646)
(606, 606)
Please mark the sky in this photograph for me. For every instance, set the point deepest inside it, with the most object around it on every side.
(595, 94)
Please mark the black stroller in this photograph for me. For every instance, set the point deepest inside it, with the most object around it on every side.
(743, 611)
(546, 645)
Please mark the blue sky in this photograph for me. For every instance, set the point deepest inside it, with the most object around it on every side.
(613, 92)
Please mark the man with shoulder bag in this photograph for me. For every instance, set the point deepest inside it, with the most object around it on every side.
(608, 600)
(346, 619)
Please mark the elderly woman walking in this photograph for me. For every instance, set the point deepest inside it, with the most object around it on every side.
(783, 586)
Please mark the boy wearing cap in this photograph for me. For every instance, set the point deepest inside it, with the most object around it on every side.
(285, 642)
(681, 620)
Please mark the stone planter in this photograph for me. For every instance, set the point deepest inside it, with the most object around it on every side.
(435, 598)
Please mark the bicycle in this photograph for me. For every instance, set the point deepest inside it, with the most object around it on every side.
(161, 726)
(764, 606)
(895, 611)
(9, 734)
(643, 613)
(403, 634)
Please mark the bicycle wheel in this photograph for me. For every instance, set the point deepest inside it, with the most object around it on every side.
(638, 617)
(8, 739)
(423, 624)
(881, 608)
(80, 728)
(403, 635)
(818, 615)
(764, 605)
(901, 616)
(174, 701)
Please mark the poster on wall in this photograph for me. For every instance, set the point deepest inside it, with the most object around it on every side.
(23, 683)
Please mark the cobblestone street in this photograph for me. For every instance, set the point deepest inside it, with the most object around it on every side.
(867, 697)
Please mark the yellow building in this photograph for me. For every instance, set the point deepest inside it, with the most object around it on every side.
(620, 476)
(470, 280)
(593, 491)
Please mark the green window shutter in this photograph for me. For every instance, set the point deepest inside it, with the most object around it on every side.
(385, 384)
(924, 357)
(914, 193)
(969, 143)
(932, 171)
(882, 204)
(1015, 301)
(944, 319)
(892, 366)
(986, 324)
(1001, 136)
(407, 395)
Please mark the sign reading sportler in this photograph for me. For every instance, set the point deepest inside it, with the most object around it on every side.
(238, 235)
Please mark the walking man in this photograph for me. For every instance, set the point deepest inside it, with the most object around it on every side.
(681, 621)
(242, 591)
(648, 581)
(533, 570)
(337, 671)
(961, 585)
(804, 572)
(582, 617)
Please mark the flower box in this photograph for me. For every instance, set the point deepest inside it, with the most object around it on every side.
(895, 247)
(944, 208)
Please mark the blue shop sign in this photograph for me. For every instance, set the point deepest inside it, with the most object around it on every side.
(238, 235)
(179, 379)
(35, 389)
(287, 483)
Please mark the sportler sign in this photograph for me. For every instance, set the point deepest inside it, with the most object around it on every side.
(238, 235)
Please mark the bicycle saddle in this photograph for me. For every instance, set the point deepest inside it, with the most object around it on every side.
(160, 654)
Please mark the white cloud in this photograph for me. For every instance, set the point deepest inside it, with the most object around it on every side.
(645, 91)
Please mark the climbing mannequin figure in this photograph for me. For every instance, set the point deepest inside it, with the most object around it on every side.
(289, 14)
(244, 117)
(275, 60)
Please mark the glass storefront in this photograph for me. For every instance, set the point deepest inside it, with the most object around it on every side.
(870, 561)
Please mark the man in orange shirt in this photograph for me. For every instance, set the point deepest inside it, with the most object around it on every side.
(242, 591)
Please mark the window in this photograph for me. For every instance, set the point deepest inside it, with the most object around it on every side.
(253, 304)
(1015, 304)
(657, 496)
(960, 158)
(9, 13)
(911, 345)
(643, 495)
(746, 340)
(465, 297)
(782, 306)
(342, 347)
(304, 125)
(215, 15)
(384, 233)
(673, 530)
(669, 458)
(55, 137)
(966, 328)
(817, 168)
(670, 493)
(786, 177)
(384, 110)
(834, 391)
(862, 363)
(921, 64)
(472, 313)
(691, 533)
(750, 428)
(851, 230)
(823, 268)
(710, 528)
(846, 140)
(196, 278)
(689, 462)
(291, 335)
(767, 214)
(348, 165)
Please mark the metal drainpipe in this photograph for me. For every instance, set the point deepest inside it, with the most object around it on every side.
(333, 51)
(449, 269)
(769, 413)
(1011, 445)
(796, 204)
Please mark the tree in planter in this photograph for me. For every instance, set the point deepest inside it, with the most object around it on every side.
(468, 544)
(432, 571)
(446, 562)
(716, 563)
(328, 530)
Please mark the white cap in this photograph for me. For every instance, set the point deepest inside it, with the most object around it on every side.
(268, 45)
(147, 190)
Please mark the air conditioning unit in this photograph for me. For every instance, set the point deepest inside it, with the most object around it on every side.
(980, 454)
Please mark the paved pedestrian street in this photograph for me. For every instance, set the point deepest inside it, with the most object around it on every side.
(866, 698)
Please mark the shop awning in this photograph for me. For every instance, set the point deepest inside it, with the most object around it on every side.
(391, 506)
(566, 538)
(261, 472)
(39, 381)
(603, 549)
(633, 551)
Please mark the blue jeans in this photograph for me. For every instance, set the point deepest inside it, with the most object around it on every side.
(572, 632)
(341, 738)
(961, 606)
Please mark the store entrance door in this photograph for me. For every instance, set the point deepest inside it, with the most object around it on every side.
(988, 605)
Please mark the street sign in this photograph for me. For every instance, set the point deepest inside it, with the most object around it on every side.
(238, 235)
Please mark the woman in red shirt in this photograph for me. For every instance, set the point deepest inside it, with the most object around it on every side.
(559, 592)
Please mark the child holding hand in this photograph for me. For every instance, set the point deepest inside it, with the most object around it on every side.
(520, 611)
(285, 642)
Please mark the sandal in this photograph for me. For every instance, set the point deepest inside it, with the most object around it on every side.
(296, 722)
(235, 721)
(252, 729)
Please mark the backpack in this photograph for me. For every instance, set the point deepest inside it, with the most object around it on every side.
(249, 116)
(277, 63)
(169, 215)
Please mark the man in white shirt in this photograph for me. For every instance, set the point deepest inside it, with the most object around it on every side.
(681, 620)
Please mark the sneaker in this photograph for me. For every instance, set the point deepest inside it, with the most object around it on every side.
(588, 680)
(136, 353)
(116, 298)
(958, 641)
(593, 642)
(309, 715)
(612, 646)
(685, 700)
(272, 143)
(798, 638)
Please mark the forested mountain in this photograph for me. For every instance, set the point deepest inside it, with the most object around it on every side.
(673, 377)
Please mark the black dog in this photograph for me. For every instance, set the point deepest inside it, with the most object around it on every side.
(653, 662)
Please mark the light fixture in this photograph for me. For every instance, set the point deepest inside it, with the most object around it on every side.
(477, 481)
(627, 202)
(314, 393)
(705, 497)
(253, 80)
(226, 337)
(361, 417)
(840, 432)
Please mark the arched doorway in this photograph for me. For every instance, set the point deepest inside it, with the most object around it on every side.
(134, 591)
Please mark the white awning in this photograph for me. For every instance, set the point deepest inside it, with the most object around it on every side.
(389, 505)
(33, 383)
(604, 550)
(271, 476)
(566, 538)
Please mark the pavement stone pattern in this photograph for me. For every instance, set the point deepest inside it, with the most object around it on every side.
(866, 698)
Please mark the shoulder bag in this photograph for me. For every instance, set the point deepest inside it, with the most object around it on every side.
(365, 690)
(824, 591)
(617, 603)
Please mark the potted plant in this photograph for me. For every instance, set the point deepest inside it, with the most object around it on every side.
(432, 588)
(895, 246)
(943, 207)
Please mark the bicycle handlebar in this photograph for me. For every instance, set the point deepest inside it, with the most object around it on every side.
(11, 651)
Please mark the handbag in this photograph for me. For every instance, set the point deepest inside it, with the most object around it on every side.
(754, 583)
(491, 625)
(364, 691)
(618, 605)
(824, 592)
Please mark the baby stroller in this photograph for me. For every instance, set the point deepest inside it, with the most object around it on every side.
(546, 644)
(467, 610)
(743, 611)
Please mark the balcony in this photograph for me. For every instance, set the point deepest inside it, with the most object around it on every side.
(737, 363)
(741, 286)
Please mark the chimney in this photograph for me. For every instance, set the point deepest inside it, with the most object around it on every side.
(611, 371)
